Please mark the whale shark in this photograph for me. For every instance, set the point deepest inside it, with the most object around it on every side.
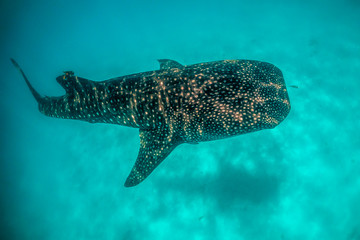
(176, 104)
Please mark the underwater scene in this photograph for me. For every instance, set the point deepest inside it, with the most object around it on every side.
(296, 179)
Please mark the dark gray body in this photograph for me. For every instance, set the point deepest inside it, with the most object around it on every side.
(176, 104)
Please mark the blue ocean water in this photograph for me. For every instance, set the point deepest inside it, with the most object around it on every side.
(63, 179)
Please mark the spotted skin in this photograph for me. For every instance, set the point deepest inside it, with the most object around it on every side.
(176, 104)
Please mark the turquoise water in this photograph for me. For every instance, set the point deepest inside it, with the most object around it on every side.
(63, 179)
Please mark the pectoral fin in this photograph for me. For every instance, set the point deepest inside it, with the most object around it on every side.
(155, 146)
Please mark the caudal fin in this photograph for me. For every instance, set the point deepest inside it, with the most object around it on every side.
(33, 91)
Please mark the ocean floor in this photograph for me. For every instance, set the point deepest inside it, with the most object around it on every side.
(63, 179)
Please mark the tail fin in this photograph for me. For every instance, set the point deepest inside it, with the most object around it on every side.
(33, 91)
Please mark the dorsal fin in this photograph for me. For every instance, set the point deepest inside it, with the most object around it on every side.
(155, 146)
(168, 64)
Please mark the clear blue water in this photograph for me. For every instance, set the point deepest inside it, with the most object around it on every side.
(63, 179)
